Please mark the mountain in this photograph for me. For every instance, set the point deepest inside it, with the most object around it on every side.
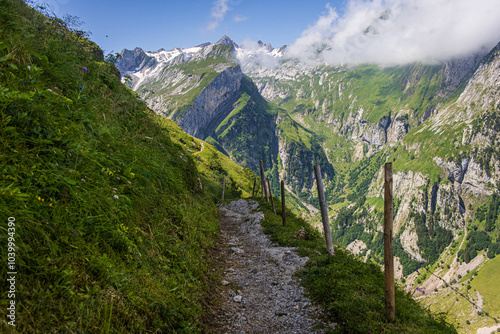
(226, 40)
(205, 91)
(437, 123)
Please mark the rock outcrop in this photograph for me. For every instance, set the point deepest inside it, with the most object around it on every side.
(212, 105)
(132, 60)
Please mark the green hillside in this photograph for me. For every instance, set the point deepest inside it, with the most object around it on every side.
(248, 132)
(112, 230)
(491, 292)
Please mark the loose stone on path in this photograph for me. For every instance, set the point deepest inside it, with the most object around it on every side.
(267, 298)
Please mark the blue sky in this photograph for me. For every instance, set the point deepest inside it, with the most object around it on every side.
(155, 24)
(385, 32)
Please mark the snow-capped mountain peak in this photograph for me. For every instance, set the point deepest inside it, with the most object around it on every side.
(226, 40)
(140, 64)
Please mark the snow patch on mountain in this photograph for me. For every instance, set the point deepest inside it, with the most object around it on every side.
(163, 56)
(255, 59)
(153, 62)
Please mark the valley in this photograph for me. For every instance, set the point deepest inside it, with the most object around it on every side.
(435, 122)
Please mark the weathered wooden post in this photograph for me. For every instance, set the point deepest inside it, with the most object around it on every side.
(324, 210)
(390, 302)
(262, 181)
(283, 207)
(253, 190)
(270, 194)
(223, 185)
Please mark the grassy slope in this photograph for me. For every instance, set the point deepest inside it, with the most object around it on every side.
(482, 283)
(248, 132)
(112, 230)
(491, 292)
(212, 165)
(466, 317)
(248, 109)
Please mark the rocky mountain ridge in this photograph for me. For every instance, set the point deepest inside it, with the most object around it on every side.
(212, 105)
(215, 101)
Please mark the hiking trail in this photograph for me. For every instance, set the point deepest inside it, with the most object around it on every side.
(260, 295)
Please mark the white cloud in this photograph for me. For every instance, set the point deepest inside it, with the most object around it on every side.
(219, 10)
(239, 18)
(250, 44)
(390, 32)
(253, 54)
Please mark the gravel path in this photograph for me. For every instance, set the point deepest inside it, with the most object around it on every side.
(260, 294)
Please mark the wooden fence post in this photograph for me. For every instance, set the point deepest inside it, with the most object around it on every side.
(253, 190)
(283, 207)
(263, 181)
(390, 302)
(223, 186)
(271, 195)
(324, 210)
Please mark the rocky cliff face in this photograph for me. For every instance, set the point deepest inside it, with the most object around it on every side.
(461, 142)
(212, 105)
(340, 98)
(169, 81)
(458, 71)
(133, 60)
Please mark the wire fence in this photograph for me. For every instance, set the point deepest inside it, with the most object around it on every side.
(448, 285)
